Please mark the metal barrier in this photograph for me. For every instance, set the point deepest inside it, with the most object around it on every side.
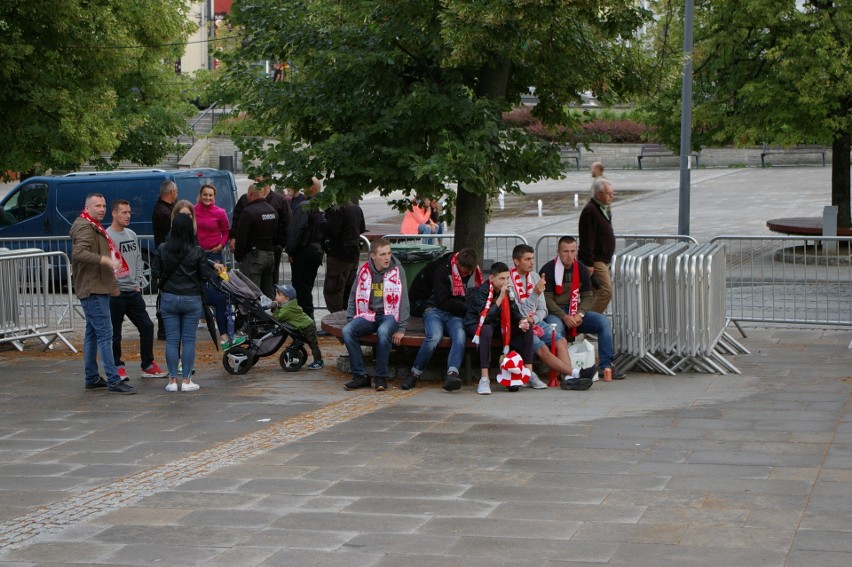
(545, 246)
(31, 303)
(785, 279)
(497, 247)
(669, 308)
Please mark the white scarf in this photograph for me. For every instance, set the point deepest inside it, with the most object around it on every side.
(391, 292)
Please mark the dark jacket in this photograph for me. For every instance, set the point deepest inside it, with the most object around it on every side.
(597, 239)
(282, 207)
(187, 272)
(161, 221)
(257, 229)
(344, 226)
(434, 286)
(555, 303)
(476, 303)
(306, 228)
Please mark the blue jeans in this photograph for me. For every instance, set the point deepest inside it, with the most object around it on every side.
(384, 327)
(98, 339)
(180, 314)
(435, 321)
(592, 323)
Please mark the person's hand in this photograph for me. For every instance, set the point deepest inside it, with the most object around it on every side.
(289, 259)
(572, 321)
(116, 292)
(397, 337)
(524, 325)
(540, 286)
(232, 244)
(501, 295)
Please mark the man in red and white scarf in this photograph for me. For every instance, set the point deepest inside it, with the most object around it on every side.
(96, 262)
(491, 313)
(378, 304)
(550, 346)
(439, 295)
(568, 295)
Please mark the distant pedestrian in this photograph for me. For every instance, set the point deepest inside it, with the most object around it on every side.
(97, 263)
(304, 244)
(129, 302)
(597, 240)
(597, 170)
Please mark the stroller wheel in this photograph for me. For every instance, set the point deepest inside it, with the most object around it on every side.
(292, 359)
(237, 360)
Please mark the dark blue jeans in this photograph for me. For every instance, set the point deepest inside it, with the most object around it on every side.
(435, 322)
(384, 327)
(592, 323)
(132, 305)
(98, 339)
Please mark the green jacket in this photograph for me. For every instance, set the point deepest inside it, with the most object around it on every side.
(293, 315)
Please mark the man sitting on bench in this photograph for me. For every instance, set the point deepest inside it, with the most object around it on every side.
(378, 304)
(439, 295)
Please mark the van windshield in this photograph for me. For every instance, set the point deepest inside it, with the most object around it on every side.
(28, 202)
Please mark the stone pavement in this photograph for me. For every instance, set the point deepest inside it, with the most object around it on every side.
(275, 468)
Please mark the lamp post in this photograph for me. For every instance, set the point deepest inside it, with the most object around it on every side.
(685, 122)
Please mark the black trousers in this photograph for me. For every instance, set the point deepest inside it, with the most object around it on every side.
(305, 265)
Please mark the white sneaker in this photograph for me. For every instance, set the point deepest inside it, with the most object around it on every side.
(171, 387)
(535, 382)
(191, 387)
(484, 386)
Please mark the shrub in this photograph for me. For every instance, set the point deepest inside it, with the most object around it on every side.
(601, 127)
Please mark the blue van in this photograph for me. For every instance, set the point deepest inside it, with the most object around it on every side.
(39, 212)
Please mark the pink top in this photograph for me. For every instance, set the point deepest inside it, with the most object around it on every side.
(213, 226)
(413, 219)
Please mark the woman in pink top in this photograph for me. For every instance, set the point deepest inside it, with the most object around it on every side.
(212, 221)
(418, 220)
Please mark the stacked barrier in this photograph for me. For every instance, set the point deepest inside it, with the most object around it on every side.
(33, 304)
(669, 308)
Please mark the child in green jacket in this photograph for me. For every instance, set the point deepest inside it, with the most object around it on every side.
(288, 311)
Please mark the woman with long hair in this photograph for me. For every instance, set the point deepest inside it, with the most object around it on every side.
(417, 220)
(181, 267)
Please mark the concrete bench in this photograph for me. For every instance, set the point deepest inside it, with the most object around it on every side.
(799, 149)
(661, 151)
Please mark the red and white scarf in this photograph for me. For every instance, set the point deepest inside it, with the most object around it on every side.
(558, 275)
(391, 292)
(458, 284)
(114, 253)
(505, 319)
(521, 292)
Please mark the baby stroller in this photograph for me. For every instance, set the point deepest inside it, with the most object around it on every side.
(265, 334)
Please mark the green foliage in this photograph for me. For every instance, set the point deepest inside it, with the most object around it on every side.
(408, 95)
(80, 77)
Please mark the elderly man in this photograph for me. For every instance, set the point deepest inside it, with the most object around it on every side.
(597, 240)
(255, 240)
(96, 263)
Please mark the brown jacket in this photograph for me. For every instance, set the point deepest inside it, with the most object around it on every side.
(89, 245)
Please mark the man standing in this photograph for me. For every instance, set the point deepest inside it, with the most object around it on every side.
(161, 224)
(96, 262)
(130, 301)
(439, 295)
(378, 304)
(528, 290)
(255, 240)
(597, 240)
(304, 245)
(343, 228)
(568, 294)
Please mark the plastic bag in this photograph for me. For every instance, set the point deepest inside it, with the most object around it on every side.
(582, 355)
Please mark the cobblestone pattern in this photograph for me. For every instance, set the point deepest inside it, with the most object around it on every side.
(98, 501)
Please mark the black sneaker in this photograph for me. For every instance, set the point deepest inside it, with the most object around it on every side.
(589, 372)
(357, 382)
(576, 383)
(409, 382)
(452, 382)
(121, 388)
(618, 374)
(381, 384)
(100, 383)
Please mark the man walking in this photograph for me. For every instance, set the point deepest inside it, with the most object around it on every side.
(96, 262)
(255, 241)
(129, 301)
(597, 240)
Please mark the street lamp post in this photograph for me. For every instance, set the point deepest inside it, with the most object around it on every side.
(685, 121)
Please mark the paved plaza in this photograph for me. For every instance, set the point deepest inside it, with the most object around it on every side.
(275, 468)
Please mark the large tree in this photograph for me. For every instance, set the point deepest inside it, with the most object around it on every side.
(79, 78)
(776, 71)
(409, 95)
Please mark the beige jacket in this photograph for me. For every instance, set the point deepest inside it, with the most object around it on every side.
(90, 276)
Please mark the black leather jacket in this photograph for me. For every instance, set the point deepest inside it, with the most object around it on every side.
(186, 273)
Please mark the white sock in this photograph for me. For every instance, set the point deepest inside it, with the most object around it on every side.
(575, 373)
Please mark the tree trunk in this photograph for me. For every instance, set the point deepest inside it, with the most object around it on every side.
(840, 182)
(470, 221)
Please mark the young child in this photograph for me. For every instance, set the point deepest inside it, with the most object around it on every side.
(288, 311)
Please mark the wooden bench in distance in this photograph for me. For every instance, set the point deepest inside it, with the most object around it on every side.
(661, 151)
(799, 149)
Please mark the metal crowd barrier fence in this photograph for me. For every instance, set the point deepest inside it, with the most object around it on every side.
(498, 247)
(545, 246)
(789, 279)
(669, 308)
(32, 305)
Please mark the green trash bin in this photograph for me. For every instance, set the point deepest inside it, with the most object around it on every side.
(414, 256)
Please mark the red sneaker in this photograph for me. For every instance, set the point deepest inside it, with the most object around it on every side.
(122, 373)
(154, 371)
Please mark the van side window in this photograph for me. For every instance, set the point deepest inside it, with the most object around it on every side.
(30, 201)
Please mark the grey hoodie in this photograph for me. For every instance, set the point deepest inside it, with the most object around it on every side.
(377, 301)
